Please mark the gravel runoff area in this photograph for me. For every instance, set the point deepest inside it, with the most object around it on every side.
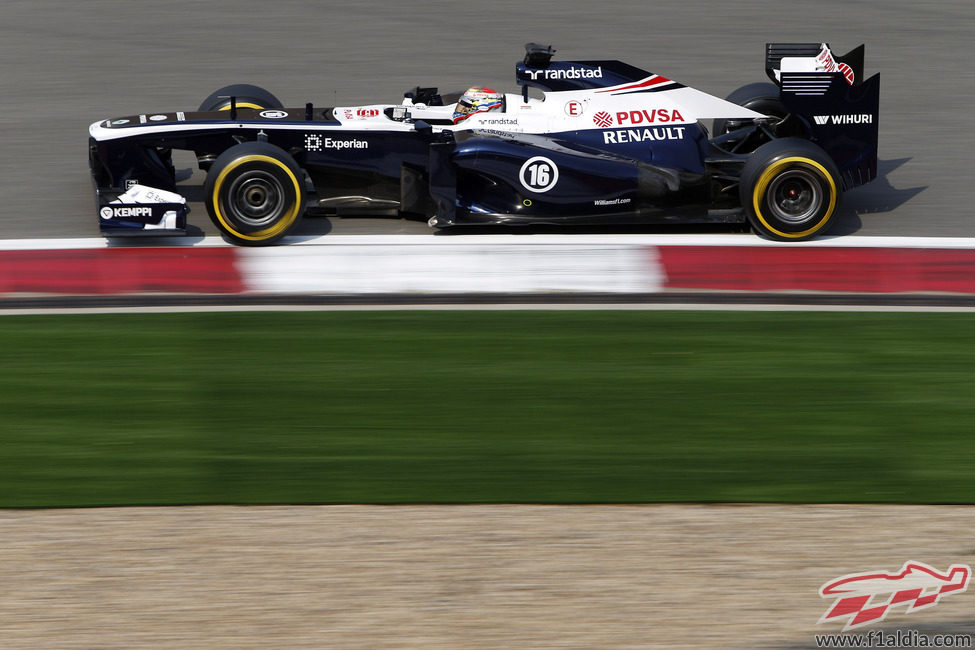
(491, 576)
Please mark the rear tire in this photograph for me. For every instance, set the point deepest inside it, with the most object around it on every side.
(248, 96)
(254, 193)
(762, 97)
(790, 189)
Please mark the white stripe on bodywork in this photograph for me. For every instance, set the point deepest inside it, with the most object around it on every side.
(542, 118)
(101, 133)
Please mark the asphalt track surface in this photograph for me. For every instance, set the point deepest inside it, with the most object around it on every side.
(68, 64)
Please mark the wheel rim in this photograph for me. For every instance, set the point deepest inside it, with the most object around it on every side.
(256, 198)
(795, 196)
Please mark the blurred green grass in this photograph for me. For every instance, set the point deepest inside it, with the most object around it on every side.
(468, 407)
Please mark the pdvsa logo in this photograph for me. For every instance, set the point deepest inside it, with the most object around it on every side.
(655, 115)
(602, 119)
(829, 64)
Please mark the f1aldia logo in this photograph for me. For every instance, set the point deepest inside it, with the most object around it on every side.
(865, 598)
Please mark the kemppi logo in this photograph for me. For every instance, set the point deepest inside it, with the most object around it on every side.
(916, 586)
(113, 213)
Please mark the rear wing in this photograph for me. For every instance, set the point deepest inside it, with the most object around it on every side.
(775, 52)
(839, 108)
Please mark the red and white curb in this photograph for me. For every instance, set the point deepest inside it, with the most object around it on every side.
(519, 264)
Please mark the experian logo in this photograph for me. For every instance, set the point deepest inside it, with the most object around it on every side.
(329, 143)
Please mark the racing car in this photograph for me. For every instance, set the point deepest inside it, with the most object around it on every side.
(606, 143)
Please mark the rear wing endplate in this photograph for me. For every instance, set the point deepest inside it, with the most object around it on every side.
(838, 107)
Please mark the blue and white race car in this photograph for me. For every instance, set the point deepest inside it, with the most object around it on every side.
(606, 143)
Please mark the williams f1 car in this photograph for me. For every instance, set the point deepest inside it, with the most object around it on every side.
(607, 143)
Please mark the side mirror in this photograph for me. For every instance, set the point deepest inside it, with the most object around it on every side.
(423, 128)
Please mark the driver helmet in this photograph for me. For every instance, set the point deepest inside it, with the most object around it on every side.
(476, 100)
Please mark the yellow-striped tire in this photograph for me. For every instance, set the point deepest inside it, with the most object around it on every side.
(790, 189)
(254, 193)
(247, 96)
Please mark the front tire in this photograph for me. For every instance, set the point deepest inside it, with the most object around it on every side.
(790, 189)
(247, 96)
(254, 193)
